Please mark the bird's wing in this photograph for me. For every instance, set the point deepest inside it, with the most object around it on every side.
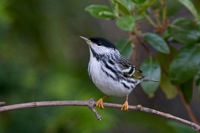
(128, 69)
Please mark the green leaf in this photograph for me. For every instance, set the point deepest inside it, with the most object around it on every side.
(122, 8)
(100, 11)
(125, 47)
(172, 9)
(184, 31)
(189, 5)
(169, 90)
(145, 5)
(129, 4)
(185, 64)
(181, 128)
(126, 23)
(187, 90)
(157, 42)
(151, 69)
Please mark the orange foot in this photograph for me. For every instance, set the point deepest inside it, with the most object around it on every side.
(125, 106)
(99, 103)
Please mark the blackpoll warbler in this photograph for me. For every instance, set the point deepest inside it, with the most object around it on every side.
(110, 71)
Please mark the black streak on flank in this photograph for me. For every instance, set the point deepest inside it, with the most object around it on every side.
(125, 85)
(110, 68)
(111, 62)
(108, 74)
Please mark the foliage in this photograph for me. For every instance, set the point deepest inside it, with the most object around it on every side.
(184, 62)
(175, 58)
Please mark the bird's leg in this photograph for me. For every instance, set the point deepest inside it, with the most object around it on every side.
(99, 103)
(125, 105)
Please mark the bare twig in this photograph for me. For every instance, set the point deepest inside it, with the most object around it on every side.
(91, 104)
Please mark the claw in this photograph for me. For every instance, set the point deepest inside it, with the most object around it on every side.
(99, 103)
(125, 106)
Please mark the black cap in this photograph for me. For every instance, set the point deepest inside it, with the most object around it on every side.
(101, 41)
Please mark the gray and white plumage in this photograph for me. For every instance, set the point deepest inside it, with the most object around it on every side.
(111, 72)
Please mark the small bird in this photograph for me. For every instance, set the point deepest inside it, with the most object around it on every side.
(110, 71)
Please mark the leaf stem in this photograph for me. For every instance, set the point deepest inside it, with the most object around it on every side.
(150, 20)
(164, 10)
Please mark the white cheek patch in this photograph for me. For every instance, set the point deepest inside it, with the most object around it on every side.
(101, 49)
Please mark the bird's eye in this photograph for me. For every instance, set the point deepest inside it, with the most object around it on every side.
(98, 43)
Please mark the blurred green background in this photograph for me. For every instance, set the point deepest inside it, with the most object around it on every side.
(43, 58)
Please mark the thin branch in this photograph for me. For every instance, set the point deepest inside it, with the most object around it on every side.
(149, 20)
(91, 104)
(187, 107)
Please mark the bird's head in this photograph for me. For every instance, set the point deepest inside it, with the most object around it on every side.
(100, 46)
